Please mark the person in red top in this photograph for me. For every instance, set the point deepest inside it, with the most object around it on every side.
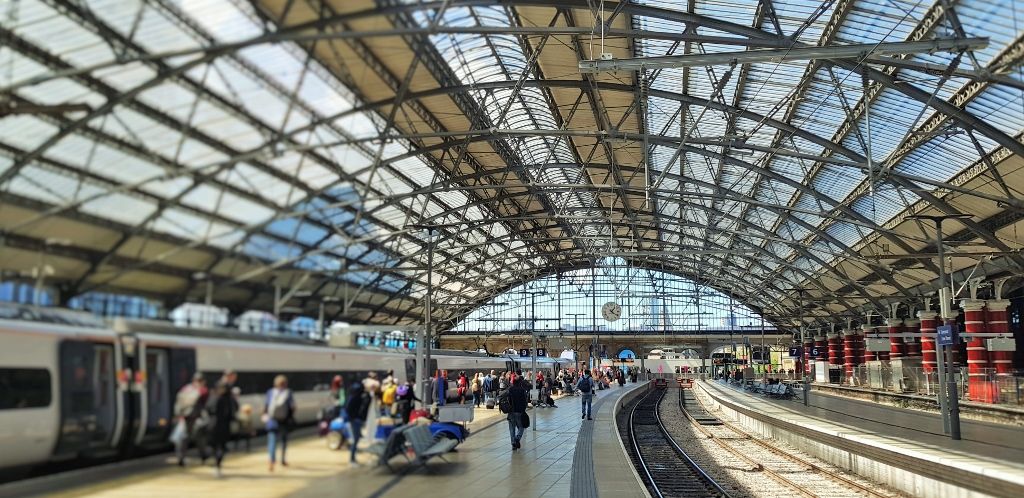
(462, 386)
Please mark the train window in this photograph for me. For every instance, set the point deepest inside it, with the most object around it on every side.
(24, 388)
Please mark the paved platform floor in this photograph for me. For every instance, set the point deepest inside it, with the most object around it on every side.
(484, 466)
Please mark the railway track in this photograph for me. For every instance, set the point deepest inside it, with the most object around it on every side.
(666, 468)
(803, 477)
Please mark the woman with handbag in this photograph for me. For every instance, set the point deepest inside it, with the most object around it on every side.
(278, 413)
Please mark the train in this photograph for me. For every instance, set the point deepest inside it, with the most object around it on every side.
(74, 387)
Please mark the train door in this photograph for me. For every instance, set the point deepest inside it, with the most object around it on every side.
(89, 408)
(166, 371)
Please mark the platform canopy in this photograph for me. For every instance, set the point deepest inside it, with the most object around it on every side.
(162, 147)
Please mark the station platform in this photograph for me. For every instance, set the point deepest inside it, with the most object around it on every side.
(564, 456)
(883, 441)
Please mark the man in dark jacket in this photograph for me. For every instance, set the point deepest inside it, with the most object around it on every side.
(357, 408)
(517, 395)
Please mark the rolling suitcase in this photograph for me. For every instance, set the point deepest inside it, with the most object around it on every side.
(489, 401)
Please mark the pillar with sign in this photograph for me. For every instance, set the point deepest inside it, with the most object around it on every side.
(867, 330)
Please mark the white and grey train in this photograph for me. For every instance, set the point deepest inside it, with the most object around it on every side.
(73, 387)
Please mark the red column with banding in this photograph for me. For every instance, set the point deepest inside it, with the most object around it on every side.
(1002, 361)
(913, 344)
(978, 389)
(851, 352)
(896, 345)
(928, 324)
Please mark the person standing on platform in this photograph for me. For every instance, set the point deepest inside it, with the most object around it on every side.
(372, 387)
(476, 385)
(359, 404)
(278, 415)
(405, 396)
(517, 402)
(586, 389)
(462, 387)
(487, 386)
(224, 411)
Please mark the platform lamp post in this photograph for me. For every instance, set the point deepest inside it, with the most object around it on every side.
(951, 413)
(424, 336)
(533, 346)
(803, 357)
(576, 338)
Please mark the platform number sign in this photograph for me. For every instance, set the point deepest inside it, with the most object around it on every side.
(542, 352)
(524, 352)
(796, 351)
(946, 335)
(816, 351)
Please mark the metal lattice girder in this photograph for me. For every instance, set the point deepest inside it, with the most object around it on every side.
(783, 55)
(764, 228)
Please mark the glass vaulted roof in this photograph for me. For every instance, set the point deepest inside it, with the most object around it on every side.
(303, 147)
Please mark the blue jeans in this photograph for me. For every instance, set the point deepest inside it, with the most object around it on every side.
(587, 403)
(273, 436)
(355, 427)
(515, 427)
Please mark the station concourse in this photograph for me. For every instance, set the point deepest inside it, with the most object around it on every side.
(332, 247)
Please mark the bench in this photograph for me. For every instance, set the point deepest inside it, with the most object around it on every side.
(393, 446)
(424, 446)
(779, 390)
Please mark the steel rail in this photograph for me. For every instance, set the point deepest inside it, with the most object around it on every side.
(690, 462)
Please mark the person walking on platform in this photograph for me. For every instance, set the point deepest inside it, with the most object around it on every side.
(189, 404)
(516, 407)
(278, 415)
(224, 412)
(586, 389)
(359, 402)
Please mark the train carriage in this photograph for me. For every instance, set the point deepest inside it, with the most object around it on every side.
(72, 387)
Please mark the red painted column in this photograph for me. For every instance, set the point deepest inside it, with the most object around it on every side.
(928, 324)
(835, 350)
(978, 389)
(912, 326)
(896, 345)
(1002, 361)
(852, 354)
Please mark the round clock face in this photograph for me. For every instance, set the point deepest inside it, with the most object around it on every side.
(611, 311)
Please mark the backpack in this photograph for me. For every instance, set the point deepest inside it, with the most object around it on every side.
(505, 402)
(279, 405)
(389, 394)
(585, 385)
